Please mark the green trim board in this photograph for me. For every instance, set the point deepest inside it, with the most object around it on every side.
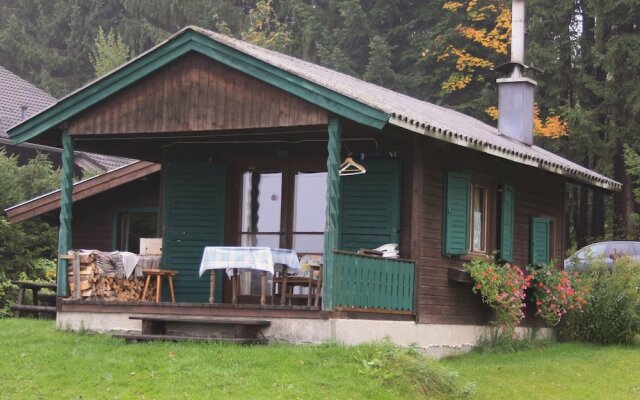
(118, 211)
(66, 207)
(194, 200)
(186, 41)
(332, 228)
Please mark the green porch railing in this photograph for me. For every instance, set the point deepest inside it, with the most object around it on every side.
(361, 281)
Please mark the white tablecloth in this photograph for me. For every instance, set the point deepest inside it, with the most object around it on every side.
(257, 258)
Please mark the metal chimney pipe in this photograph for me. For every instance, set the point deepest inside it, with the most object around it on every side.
(516, 93)
(517, 36)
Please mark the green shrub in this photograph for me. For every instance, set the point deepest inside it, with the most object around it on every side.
(400, 367)
(612, 312)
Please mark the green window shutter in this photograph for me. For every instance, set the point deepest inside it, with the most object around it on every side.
(456, 214)
(193, 217)
(370, 206)
(507, 200)
(540, 235)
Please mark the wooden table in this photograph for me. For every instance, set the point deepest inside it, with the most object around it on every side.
(232, 259)
(35, 287)
(159, 273)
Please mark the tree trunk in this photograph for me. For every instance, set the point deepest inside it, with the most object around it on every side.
(623, 201)
(582, 229)
(597, 215)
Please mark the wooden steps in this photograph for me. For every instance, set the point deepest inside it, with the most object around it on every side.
(198, 328)
(139, 337)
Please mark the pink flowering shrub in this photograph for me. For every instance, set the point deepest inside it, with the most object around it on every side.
(502, 287)
(557, 292)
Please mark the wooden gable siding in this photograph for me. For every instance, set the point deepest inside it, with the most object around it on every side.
(195, 93)
(537, 193)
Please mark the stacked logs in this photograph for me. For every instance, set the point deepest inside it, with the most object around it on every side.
(99, 281)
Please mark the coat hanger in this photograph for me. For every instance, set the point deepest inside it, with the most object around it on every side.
(350, 167)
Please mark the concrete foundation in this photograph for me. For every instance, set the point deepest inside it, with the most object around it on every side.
(436, 340)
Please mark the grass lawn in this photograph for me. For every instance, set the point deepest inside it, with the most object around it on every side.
(556, 371)
(37, 362)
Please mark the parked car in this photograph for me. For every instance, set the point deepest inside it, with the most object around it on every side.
(608, 252)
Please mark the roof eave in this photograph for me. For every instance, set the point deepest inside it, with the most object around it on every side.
(457, 139)
(191, 40)
(86, 188)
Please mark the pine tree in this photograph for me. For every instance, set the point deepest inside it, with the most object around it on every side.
(379, 67)
(109, 52)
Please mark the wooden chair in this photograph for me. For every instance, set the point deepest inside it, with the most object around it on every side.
(287, 283)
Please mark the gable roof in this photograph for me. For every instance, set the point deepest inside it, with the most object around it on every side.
(81, 190)
(16, 94)
(339, 93)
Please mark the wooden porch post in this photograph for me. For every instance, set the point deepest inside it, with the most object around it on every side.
(66, 202)
(332, 229)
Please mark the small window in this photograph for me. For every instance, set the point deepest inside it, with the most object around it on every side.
(133, 225)
(620, 249)
(592, 252)
(478, 219)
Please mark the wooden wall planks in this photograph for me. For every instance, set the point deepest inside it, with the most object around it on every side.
(194, 94)
(537, 193)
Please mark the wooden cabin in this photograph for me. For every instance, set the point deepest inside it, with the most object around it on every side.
(251, 141)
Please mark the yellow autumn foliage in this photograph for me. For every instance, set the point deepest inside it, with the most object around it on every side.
(552, 127)
(496, 37)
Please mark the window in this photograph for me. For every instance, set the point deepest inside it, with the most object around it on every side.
(466, 215)
(310, 203)
(261, 209)
(284, 208)
(478, 219)
(591, 252)
(131, 225)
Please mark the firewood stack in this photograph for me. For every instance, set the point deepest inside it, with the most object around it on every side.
(99, 280)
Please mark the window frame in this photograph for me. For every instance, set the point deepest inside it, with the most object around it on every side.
(490, 220)
(485, 221)
(117, 218)
(288, 167)
(491, 196)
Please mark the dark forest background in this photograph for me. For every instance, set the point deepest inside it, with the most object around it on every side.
(587, 53)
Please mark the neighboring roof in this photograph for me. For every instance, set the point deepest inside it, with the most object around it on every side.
(105, 163)
(17, 93)
(81, 190)
(339, 93)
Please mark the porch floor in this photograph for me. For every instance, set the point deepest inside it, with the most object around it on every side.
(226, 310)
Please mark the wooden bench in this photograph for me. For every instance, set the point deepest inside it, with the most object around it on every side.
(197, 328)
(139, 337)
(34, 308)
